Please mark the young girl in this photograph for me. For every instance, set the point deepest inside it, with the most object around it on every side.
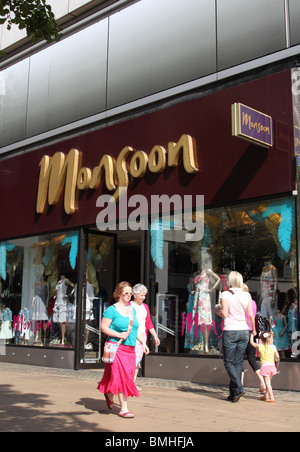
(268, 357)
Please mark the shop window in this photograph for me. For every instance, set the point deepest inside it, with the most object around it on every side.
(258, 240)
(38, 290)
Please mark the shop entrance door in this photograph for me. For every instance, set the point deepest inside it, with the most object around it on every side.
(104, 260)
(98, 273)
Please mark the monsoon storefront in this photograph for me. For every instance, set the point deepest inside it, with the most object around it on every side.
(174, 198)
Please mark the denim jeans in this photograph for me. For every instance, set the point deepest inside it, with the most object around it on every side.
(234, 347)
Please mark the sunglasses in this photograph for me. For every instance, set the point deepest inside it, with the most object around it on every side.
(127, 293)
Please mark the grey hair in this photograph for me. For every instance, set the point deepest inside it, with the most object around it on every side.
(139, 289)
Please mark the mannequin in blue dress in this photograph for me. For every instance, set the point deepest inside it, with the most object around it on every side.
(190, 338)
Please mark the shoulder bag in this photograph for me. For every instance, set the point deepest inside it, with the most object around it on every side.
(111, 348)
(237, 298)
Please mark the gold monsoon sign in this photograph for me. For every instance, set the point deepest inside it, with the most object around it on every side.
(64, 173)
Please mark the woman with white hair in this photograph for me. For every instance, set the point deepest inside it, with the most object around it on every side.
(145, 323)
(235, 303)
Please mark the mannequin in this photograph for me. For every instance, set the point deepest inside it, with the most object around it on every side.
(269, 286)
(281, 338)
(290, 313)
(6, 327)
(60, 306)
(90, 295)
(190, 339)
(22, 329)
(202, 300)
(39, 304)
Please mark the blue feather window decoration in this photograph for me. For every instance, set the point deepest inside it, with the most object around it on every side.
(286, 210)
(157, 229)
(4, 247)
(72, 239)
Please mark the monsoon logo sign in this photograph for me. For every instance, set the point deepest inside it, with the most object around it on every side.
(252, 125)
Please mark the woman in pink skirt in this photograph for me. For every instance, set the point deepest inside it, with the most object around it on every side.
(118, 378)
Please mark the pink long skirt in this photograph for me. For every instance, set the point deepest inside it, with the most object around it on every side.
(119, 376)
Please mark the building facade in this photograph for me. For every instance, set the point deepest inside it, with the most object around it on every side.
(156, 142)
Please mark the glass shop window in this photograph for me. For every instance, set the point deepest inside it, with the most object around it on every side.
(187, 278)
(38, 290)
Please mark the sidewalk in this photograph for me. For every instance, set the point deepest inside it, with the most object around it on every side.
(36, 399)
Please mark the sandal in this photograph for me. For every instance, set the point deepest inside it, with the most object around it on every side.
(109, 403)
(127, 415)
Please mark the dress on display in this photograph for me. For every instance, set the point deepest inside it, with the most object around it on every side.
(268, 291)
(190, 338)
(60, 307)
(281, 343)
(202, 301)
(293, 320)
(6, 327)
(41, 299)
(292, 325)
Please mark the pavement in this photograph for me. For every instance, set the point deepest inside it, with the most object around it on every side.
(39, 399)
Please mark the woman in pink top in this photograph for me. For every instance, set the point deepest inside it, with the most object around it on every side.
(234, 305)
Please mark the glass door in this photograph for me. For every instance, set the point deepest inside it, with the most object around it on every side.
(97, 283)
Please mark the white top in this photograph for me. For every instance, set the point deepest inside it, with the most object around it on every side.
(236, 319)
(141, 315)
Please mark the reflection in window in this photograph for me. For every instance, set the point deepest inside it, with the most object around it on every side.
(256, 239)
(99, 283)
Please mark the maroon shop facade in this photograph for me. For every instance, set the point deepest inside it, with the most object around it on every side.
(59, 266)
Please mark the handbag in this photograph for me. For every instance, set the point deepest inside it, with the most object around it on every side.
(111, 348)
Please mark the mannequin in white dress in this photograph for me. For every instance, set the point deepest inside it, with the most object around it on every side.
(60, 306)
